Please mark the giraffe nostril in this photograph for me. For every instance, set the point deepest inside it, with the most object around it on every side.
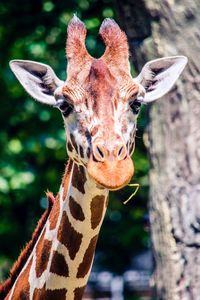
(100, 152)
(121, 152)
(114, 153)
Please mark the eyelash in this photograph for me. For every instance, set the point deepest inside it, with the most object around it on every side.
(67, 110)
(64, 107)
(135, 106)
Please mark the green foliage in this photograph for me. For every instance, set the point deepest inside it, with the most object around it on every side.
(32, 138)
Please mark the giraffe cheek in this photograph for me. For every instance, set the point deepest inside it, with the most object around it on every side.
(112, 175)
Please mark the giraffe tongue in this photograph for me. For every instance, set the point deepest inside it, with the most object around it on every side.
(111, 174)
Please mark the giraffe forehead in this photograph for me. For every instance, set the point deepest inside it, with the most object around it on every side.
(99, 69)
(99, 86)
(107, 88)
(95, 93)
(94, 88)
(101, 89)
(100, 81)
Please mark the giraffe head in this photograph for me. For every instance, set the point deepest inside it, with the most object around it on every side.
(100, 100)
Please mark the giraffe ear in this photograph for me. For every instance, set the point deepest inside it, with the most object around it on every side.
(39, 80)
(158, 76)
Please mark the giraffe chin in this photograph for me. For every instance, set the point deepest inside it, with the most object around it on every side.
(112, 175)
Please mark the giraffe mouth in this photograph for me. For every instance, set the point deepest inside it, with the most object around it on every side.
(112, 175)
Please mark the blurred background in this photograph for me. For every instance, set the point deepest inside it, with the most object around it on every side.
(33, 154)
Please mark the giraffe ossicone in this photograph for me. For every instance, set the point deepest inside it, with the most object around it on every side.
(99, 102)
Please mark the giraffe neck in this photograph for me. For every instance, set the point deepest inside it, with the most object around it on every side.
(60, 263)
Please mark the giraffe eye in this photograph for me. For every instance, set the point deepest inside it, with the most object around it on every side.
(64, 107)
(135, 106)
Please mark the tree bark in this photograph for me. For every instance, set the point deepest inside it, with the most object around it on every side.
(173, 142)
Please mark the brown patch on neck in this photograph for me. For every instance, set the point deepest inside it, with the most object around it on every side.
(68, 236)
(42, 255)
(97, 207)
(45, 294)
(66, 177)
(76, 210)
(84, 266)
(53, 217)
(22, 287)
(79, 178)
(73, 142)
(19, 264)
(78, 293)
(69, 146)
(81, 151)
(59, 265)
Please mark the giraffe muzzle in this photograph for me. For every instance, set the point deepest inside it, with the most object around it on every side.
(112, 175)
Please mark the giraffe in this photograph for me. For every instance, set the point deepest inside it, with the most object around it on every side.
(99, 103)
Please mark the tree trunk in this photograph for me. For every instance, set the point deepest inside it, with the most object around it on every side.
(173, 28)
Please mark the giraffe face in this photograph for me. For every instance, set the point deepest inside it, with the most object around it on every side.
(100, 114)
(100, 100)
(100, 105)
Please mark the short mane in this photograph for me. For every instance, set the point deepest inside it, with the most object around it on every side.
(6, 286)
